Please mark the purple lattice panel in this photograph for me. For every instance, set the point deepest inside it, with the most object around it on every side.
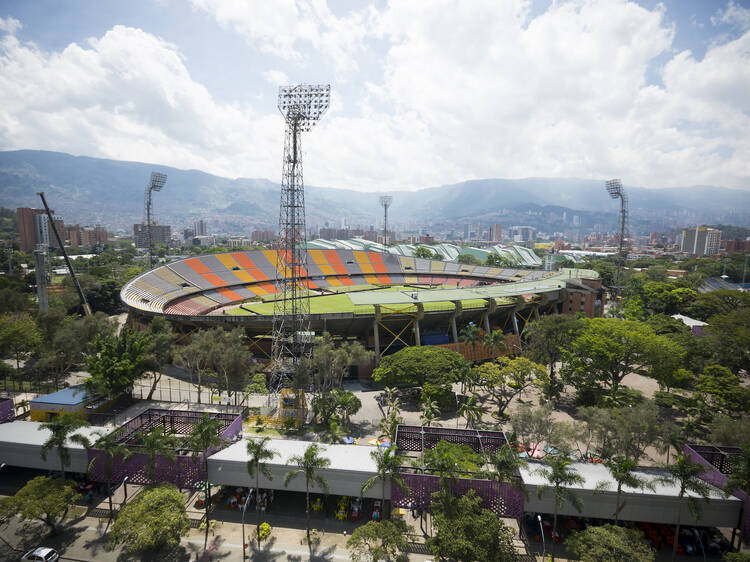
(178, 422)
(713, 475)
(232, 430)
(184, 472)
(7, 410)
(504, 501)
(412, 438)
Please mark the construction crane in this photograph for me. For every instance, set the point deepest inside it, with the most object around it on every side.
(84, 302)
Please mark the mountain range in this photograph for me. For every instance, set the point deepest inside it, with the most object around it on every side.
(88, 190)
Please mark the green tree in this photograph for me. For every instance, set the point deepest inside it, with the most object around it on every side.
(154, 520)
(380, 540)
(257, 384)
(504, 464)
(156, 443)
(452, 461)
(107, 443)
(611, 543)
(430, 412)
(728, 338)
(715, 303)
(195, 357)
(309, 464)
(546, 339)
(495, 341)
(414, 366)
(465, 531)
(45, 499)
(468, 259)
(424, 252)
(230, 359)
(336, 403)
(19, 336)
(606, 350)
(471, 334)
(258, 453)
(560, 477)
(62, 430)
(204, 436)
(330, 361)
(118, 363)
(622, 470)
(686, 474)
(739, 477)
(722, 391)
(471, 410)
(388, 467)
(158, 350)
(504, 384)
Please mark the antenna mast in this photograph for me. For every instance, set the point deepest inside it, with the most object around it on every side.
(385, 202)
(302, 106)
(155, 184)
(615, 190)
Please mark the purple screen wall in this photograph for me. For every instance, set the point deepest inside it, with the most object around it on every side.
(7, 410)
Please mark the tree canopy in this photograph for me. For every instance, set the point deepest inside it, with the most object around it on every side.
(611, 543)
(154, 520)
(45, 499)
(414, 366)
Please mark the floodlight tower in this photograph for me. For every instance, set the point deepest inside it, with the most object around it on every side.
(302, 106)
(385, 202)
(155, 184)
(615, 190)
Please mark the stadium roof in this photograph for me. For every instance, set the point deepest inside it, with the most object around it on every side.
(494, 291)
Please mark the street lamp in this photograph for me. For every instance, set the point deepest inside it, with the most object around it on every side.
(244, 509)
(125, 489)
(541, 528)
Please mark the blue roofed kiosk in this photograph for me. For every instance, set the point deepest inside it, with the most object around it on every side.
(71, 400)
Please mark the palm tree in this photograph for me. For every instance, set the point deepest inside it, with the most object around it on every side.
(471, 334)
(333, 433)
(559, 476)
(205, 436)
(430, 411)
(62, 430)
(504, 465)
(686, 474)
(622, 470)
(257, 452)
(156, 443)
(22, 405)
(388, 465)
(471, 410)
(308, 464)
(389, 425)
(109, 447)
(493, 341)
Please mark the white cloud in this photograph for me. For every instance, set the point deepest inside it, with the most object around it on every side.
(276, 77)
(464, 90)
(733, 15)
(9, 25)
(280, 26)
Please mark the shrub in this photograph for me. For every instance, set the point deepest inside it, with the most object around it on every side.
(443, 395)
(265, 531)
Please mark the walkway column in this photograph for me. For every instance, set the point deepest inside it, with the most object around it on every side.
(417, 318)
(454, 332)
(515, 327)
(376, 335)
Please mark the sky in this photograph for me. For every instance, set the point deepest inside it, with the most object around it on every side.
(423, 93)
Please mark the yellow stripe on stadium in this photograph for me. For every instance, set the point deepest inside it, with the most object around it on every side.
(333, 281)
(321, 261)
(372, 280)
(231, 263)
(364, 262)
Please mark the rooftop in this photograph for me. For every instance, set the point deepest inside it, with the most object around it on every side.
(65, 397)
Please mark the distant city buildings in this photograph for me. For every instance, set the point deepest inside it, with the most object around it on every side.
(160, 234)
(522, 233)
(496, 233)
(262, 235)
(200, 228)
(701, 241)
(34, 230)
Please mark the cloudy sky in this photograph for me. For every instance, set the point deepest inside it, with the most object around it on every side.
(424, 93)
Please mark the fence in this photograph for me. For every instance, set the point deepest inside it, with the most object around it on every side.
(419, 438)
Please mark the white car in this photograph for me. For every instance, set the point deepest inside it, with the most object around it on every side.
(42, 554)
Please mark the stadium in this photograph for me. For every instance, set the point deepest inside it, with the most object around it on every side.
(384, 300)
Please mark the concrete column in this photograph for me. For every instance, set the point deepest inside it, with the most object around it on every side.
(486, 320)
(417, 339)
(454, 333)
(376, 335)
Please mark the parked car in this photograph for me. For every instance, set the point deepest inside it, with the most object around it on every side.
(41, 554)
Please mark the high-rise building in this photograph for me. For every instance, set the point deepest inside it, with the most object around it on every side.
(160, 234)
(262, 235)
(523, 233)
(200, 228)
(701, 241)
(34, 229)
(496, 233)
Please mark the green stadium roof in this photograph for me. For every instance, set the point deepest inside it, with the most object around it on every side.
(549, 284)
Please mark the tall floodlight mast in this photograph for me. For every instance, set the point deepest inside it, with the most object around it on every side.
(302, 106)
(385, 202)
(155, 184)
(615, 190)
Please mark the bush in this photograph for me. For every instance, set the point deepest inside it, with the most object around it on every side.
(264, 532)
(443, 395)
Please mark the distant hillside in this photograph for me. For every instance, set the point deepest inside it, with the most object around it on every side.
(94, 190)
